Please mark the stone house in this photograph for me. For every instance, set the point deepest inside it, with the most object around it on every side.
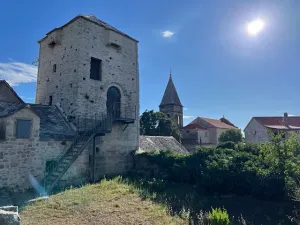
(83, 124)
(204, 132)
(258, 128)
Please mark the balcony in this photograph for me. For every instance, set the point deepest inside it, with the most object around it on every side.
(124, 113)
(100, 123)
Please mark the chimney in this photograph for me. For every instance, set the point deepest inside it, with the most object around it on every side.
(285, 118)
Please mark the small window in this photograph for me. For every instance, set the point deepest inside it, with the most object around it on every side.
(50, 100)
(205, 134)
(54, 68)
(95, 70)
(23, 129)
(2, 130)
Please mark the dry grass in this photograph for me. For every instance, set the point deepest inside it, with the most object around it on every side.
(109, 202)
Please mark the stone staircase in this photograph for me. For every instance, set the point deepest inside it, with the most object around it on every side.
(86, 130)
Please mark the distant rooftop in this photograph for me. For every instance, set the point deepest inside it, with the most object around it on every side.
(160, 143)
(170, 96)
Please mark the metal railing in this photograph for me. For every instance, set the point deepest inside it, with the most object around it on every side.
(121, 111)
(86, 127)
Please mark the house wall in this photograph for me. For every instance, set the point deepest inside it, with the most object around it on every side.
(191, 139)
(261, 133)
(219, 131)
(79, 96)
(7, 95)
(20, 158)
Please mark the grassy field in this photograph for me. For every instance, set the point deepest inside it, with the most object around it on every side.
(109, 202)
(140, 201)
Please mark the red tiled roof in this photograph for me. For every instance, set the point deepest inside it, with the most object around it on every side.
(218, 123)
(194, 126)
(292, 121)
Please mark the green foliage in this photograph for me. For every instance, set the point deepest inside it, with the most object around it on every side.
(227, 144)
(233, 135)
(268, 171)
(157, 124)
(219, 217)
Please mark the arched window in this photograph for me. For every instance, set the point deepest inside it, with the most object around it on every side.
(177, 119)
(113, 102)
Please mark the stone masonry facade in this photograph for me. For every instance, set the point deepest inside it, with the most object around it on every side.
(20, 158)
(64, 80)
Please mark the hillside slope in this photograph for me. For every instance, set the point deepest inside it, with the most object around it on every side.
(109, 202)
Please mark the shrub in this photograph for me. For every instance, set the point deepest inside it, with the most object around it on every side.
(219, 217)
(233, 135)
(227, 144)
(247, 169)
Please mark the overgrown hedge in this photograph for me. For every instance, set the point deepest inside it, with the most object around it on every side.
(217, 171)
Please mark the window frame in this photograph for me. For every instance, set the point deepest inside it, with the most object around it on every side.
(54, 68)
(16, 128)
(3, 130)
(99, 77)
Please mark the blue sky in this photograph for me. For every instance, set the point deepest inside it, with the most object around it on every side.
(218, 69)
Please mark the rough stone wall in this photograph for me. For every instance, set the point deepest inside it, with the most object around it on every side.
(175, 112)
(71, 85)
(261, 133)
(80, 96)
(20, 158)
(114, 151)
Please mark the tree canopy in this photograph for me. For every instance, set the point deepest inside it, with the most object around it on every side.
(233, 135)
(157, 124)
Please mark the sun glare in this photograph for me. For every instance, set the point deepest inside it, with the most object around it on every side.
(255, 27)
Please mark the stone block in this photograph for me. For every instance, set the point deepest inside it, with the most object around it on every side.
(9, 218)
(10, 208)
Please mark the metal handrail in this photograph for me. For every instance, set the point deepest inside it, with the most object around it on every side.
(53, 166)
(121, 110)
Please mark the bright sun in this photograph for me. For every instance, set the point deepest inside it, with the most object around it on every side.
(255, 27)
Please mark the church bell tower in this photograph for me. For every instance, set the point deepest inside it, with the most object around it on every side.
(171, 105)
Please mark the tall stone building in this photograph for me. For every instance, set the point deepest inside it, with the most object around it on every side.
(87, 105)
(171, 105)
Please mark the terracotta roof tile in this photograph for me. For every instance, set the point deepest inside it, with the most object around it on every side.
(194, 126)
(293, 122)
(218, 123)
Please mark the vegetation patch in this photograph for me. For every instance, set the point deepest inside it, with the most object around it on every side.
(109, 202)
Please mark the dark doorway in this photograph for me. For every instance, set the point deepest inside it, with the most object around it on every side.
(114, 102)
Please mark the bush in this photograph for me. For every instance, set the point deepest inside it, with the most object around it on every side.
(219, 217)
(248, 169)
(227, 144)
(233, 135)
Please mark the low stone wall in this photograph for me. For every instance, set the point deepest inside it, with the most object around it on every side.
(9, 215)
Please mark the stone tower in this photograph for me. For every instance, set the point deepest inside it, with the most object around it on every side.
(171, 105)
(87, 67)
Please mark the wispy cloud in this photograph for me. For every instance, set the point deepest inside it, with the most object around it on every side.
(187, 117)
(167, 34)
(27, 98)
(16, 73)
(185, 109)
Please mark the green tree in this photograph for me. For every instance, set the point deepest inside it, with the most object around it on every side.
(282, 156)
(234, 135)
(157, 124)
